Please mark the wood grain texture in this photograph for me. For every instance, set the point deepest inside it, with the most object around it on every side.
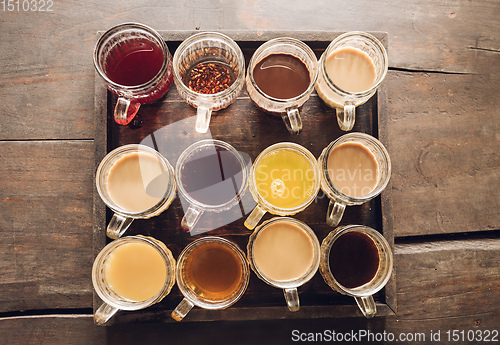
(49, 75)
(445, 66)
(443, 285)
(444, 148)
(448, 279)
(80, 329)
(46, 224)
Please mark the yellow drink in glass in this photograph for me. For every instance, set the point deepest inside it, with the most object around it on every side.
(285, 178)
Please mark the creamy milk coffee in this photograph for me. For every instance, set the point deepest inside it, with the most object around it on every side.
(283, 252)
(136, 271)
(136, 181)
(353, 169)
(351, 69)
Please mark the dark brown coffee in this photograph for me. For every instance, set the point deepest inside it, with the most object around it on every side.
(354, 259)
(281, 76)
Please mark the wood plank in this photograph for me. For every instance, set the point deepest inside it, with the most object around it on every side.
(79, 329)
(444, 149)
(51, 330)
(443, 285)
(48, 77)
(46, 224)
(448, 279)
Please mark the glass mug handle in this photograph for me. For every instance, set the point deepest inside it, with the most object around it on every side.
(125, 110)
(190, 218)
(367, 306)
(292, 120)
(254, 217)
(182, 309)
(203, 115)
(334, 213)
(104, 313)
(292, 299)
(117, 226)
(346, 116)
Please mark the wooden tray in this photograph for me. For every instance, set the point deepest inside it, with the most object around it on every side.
(249, 130)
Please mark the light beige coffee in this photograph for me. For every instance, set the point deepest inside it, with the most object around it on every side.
(353, 169)
(283, 252)
(136, 181)
(351, 69)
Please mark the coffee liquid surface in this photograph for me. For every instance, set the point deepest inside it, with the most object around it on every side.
(214, 271)
(351, 69)
(132, 176)
(353, 169)
(283, 252)
(136, 271)
(281, 76)
(354, 259)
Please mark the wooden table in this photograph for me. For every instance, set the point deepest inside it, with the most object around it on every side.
(443, 124)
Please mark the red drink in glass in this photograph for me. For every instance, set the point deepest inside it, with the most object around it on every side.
(136, 65)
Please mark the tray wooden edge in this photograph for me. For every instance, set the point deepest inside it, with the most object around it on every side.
(252, 314)
(386, 197)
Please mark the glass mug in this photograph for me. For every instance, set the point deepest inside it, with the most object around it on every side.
(212, 273)
(124, 282)
(365, 265)
(284, 253)
(345, 87)
(134, 61)
(284, 180)
(300, 59)
(356, 180)
(203, 52)
(135, 182)
(212, 177)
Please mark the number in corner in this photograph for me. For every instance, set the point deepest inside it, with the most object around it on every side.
(471, 335)
(27, 5)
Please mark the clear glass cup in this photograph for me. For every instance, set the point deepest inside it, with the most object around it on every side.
(195, 297)
(158, 181)
(339, 200)
(118, 41)
(363, 294)
(342, 100)
(112, 300)
(233, 170)
(288, 109)
(289, 286)
(207, 47)
(310, 175)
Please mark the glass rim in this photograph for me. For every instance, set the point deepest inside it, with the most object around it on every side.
(325, 177)
(253, 184)
(343, 37)
(98, 268)
(286, 284)
(122, 27)
(190, 295)
(200, 36)
(375, 236)
(188, 152)
(110, 159)
(256, 58)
